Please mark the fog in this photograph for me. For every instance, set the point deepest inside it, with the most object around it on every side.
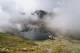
(16, 13)
(11, 12)
(67, 19)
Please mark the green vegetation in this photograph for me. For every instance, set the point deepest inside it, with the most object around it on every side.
(14, 44)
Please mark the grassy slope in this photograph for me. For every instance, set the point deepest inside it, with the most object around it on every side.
(13, 44)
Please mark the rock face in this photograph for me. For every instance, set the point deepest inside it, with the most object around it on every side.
(37, 34)
(40, 13)
(37, 23)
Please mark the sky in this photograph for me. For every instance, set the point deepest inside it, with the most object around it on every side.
(11, 8)
(67, 12)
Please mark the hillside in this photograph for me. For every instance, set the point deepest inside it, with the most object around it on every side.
(14, 44)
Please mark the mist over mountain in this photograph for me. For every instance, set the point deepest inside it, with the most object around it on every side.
(59, 16)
